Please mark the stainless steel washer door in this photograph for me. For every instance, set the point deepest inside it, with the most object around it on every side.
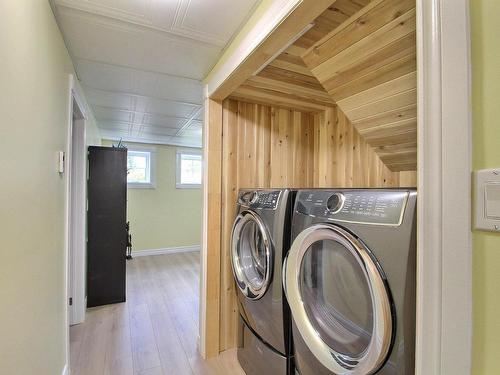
(251, 256)
(339, 300)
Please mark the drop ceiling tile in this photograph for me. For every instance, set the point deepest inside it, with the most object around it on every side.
(110, 99)
(127, 10)
(164, 107)
(196, 124)
(104, 76)
(155, 130)
(182, 89)
(104, 39)
(106, 113)
(201, 116)
(116, 126)
(165, 121)
(181, 58)
(212, 19)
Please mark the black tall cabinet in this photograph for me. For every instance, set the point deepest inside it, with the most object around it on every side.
(106, 219)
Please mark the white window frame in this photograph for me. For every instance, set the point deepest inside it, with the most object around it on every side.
(152, 167)
(178, 159)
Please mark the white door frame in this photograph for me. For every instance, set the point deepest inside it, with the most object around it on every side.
(444, 274)
(444, 295)
(76, 157)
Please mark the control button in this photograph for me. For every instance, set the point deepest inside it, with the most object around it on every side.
(254, 196)
(335, 202)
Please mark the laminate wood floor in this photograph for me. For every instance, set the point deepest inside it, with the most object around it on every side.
(155, 332)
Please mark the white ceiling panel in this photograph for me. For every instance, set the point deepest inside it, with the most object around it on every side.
(133, 81)
(165, 107)
(110, 99)
(156, 120)
(152, 131)
(172, 56)
(104, 114)
(141, 62)
(217, 19)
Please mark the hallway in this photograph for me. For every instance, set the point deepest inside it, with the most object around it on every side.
(155, 332)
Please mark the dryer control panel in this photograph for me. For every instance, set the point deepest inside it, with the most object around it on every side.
(382, 207)
(260, 199)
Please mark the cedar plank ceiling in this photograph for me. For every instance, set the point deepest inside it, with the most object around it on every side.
(361, 56)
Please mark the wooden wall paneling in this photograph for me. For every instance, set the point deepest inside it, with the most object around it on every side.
(368, 66)
(228, 304)
(365, 23)
(212, 227)
(264, 147)
(343, 158)
(262, 96)
(393, 31)
(276, 176)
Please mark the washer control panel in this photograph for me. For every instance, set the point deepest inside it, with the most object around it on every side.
(384, 207)
(260, 199)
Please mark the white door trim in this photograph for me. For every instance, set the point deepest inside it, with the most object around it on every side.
(78, 268)
(77, 168)
(444, 274)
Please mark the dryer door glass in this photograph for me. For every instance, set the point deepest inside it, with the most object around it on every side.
(251, 255)
(339, 300)
(336, 297)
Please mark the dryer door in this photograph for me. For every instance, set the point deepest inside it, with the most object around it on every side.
(251, 255)
(339, 299)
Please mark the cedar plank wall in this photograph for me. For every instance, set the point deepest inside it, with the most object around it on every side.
(267, 146)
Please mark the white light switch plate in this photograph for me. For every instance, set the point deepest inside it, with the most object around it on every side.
(60, 168)
(487, 200)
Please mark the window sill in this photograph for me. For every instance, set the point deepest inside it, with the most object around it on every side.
(188, 186)
(137, 185)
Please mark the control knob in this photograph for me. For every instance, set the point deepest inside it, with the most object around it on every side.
(254, 195)
(335, 202)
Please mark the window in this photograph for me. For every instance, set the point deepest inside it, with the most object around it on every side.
(189, 169)
(140, 168)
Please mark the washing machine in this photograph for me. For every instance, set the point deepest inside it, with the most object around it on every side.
(260, 238)
(350, 282)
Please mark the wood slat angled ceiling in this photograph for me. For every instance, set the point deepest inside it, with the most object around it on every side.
(361, 56)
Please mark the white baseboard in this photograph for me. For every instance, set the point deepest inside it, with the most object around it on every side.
(167, 250)
(65, 370)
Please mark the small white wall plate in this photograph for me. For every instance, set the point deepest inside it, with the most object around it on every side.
(487, 200)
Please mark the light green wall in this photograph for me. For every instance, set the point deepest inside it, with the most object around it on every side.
(34, 84)
(164, 216)
(485, 33)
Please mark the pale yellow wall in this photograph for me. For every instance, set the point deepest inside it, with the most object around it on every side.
(34, 68)
(165, 216)
(485, 27)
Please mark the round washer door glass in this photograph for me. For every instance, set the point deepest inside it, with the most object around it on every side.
(336, 297)
(251, 255)
(339, 300)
